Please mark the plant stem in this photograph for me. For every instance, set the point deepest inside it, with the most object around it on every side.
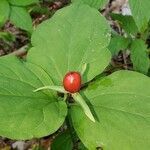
(71, 129)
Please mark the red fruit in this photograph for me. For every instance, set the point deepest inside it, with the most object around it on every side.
(72, 82)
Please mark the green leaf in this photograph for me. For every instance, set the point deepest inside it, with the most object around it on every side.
(118, 43)
(6, 36)
(140, 12)
(78, 98)
(63, 142)
(22, 2)
(93, 3)
(4, 12)
(74, 36)
(52, 87)
(126, 22)
(21, 18)
(81, 146)
(139, 56)
(121, 102)
(23, 113)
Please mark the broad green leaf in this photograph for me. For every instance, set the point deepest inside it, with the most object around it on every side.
(22, 2)
(4, 12)
(140, 12)
(118, 43)
(121, 103)
(75, 35)
(139, 56)
(93, 3)
(63, 142)
(23, 113)
(21, 18)
(126, 22)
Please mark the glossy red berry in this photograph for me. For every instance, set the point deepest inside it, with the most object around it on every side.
(72, 82)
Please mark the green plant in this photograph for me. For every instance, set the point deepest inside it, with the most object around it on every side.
(136, 30)
(16, 12)
(111, 113)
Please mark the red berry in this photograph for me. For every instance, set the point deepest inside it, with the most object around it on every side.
(72, 82)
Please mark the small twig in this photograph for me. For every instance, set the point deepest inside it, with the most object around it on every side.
(21, 52)
(124, 60)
